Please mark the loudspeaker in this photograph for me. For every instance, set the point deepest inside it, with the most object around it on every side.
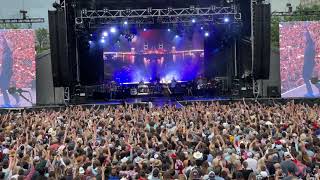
(62, 42)
(54, 47)
(262, 41)
(273, 91)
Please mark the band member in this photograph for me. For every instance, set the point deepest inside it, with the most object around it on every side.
(6, 70)
(141, 82)
(113, 89)
(166, 90)
(173, 85)
(309, 63)
(189, 89)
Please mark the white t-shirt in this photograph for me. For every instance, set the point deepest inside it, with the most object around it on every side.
(252, 164)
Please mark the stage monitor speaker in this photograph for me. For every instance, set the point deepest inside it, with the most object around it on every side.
(262, 41)
(273, 91)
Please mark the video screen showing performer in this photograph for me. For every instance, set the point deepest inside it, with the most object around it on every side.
(154, 54)
(300, 59)
(17, 68)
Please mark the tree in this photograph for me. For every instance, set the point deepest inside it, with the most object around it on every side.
(42, 39)
(301, 14)
(10, 26)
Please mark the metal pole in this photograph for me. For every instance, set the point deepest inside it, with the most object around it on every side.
(77, 62)
(235, 58)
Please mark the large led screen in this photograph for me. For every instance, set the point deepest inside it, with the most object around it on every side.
(155, 54)
(17, 68)
(300, 59)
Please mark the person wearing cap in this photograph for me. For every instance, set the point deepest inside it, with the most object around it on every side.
(288, 163)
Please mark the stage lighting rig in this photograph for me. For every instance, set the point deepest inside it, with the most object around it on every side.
(25, 19)
(56, 5)
(84, 11)
(189, 16)
(105, 10)
(192, 8)
(289, 6)
(128, 11)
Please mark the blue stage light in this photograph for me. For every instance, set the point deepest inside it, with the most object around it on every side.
(113, 30)
(105, 34)
(144, 29)
(193, 20)
(169, 30)
(102, 40)
(201, 28)
(176, 36)
(125, 23)
(226, 20)
(206, 34)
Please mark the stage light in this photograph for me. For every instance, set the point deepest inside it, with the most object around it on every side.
(105, 34)
(90, 42)
(226, 20)
(144, 29)
(201, 28)
(102, 40)
(192, 8)
(193, 20)
(113, 30)
(125, 23)
(206, 34)
(176, 36)
(169, 30)
(90, 35)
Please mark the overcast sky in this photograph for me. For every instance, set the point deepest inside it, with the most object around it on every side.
(39, 8)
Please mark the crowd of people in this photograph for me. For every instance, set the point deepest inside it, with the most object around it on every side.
(210, 141)
(292, 50)
(22, 48)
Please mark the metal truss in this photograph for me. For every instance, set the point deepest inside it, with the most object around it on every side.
(63, 3)
(66, 95)
(298, 13)
(96, 23)
(200, 19)
(27, 20)
(255, 88)
(152, 13)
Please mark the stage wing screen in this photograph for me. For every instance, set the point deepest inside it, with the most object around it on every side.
(17, 68)
(154, 55)
(300, 59)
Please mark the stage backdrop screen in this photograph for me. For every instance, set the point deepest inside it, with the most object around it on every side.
(300, 59)
(156, 54)
(17, 68)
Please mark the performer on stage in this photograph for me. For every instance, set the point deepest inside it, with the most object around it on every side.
(309, 63)
(6, 72)
(113, 89)
(173, 85)
(166, 90)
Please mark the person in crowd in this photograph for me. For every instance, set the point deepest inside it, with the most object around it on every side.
(213, 141)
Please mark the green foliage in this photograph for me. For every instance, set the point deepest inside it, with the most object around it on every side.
(42, 35)
(301, 14)
(10, 26)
